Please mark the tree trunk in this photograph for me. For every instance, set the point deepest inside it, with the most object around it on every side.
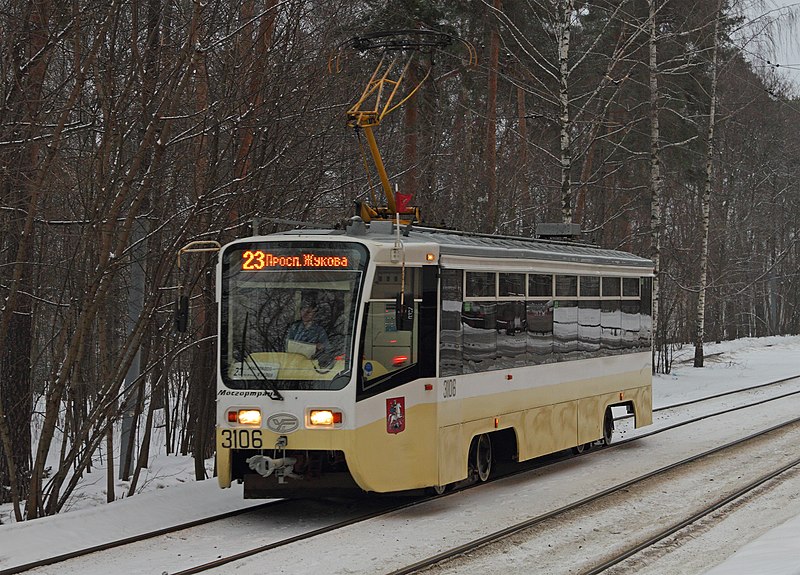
(491, 126)
(567, 8)
(656, 188)
(706, 202)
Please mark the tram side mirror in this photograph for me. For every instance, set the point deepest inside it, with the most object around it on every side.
(182, 314)
(404, 315)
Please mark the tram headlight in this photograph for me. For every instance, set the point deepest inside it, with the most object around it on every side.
(245, 416)
(324, 417)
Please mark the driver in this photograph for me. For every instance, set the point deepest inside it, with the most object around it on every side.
(306, 329)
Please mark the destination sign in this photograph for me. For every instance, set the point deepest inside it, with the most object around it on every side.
(255, 260)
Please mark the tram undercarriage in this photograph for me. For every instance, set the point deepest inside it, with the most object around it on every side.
(296, 473)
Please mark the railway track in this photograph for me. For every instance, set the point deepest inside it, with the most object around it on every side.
(640, 545)
(663, 534)
(257, 550)
(135, 538)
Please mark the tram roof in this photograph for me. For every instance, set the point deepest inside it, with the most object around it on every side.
(469, 244)
(477, 245)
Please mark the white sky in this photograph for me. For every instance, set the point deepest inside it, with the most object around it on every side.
(785, 53)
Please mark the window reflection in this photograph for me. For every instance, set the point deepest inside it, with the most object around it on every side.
(511, 334)
(589, 328)
(590, 319)
(565, 329)
(566, 286)
(479, 323)
(450, 345)
(481, 284)
(540, 285)
(540, 331)
(631, 324)
(611, 328)
(512, 285)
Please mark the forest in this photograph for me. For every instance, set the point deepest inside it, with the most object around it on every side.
(129, 129)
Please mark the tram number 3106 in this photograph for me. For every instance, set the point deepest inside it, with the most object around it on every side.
(242, 439)
(449, 388)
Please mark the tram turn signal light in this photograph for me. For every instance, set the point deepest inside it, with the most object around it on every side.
(324, 417)
(245, 416)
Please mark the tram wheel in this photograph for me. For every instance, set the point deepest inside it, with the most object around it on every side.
(481, 457)
(438, 489)
(608, 427)
(582, 448)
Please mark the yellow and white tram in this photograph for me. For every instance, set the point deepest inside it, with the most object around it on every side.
(372, 360)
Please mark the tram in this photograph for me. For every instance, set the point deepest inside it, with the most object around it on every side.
(387, 358)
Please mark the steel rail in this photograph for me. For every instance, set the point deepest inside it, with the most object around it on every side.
(134, 539)
(528, 523)
(649, 542)
(717, 396)
(275, 544)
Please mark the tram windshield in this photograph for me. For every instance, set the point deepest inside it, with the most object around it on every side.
(288, 314)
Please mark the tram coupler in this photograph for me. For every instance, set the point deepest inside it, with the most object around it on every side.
(279, 464)
(280, 454)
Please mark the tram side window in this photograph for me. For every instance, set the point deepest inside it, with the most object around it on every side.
(566, 286)
(630, 287)
(450, 343)
(589, 327)
(386, 349)
(540, 331)
(511, 334)
(387, 282)
(479, 324)
(590, 286)
(611, 287)
(481, 284)
(511, 285)
(631, 324)
(540, 285)
(610, 326)
(565, 329)
(646, 313)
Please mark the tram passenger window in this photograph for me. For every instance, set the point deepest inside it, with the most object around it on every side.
(481, 284)
(385, 349)
(539, 322)
(387, 282)
(540, 285)
(512, 285)
(590, 286)
(450, 347)
(511, 334)
(611, 287)
(630, 287)
(646, 313)
(611, 327)
(589, 327)
(479, 326)
(631, 324)
(565, 329)
(566, 286)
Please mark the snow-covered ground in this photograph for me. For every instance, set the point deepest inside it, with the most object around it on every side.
(170, 496)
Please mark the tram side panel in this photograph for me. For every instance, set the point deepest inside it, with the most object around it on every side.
(395, 447)
(550, 408)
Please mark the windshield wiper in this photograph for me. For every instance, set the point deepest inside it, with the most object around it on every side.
(272, 392)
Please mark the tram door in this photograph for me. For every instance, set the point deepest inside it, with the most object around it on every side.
(397, 449)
